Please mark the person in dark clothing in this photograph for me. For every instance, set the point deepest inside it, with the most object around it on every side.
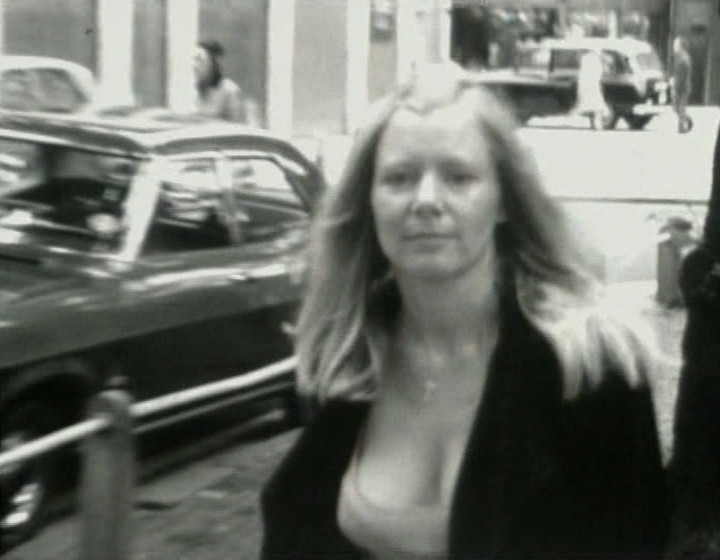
(471, 36)
(695, 464)
(475, 401)
(681, 81)
(216, 95)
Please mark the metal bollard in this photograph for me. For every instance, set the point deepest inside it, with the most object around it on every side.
(671, 251)
(107, 481)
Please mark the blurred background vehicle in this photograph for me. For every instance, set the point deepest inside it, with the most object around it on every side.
(52, 85)
(155, 254)
(39, 83)
(544, 81)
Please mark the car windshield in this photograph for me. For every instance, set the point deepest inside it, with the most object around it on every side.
(649, 60)
(63, 198)
(533, 59)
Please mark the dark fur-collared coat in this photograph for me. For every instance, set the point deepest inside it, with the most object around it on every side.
(695, 466)
(541, 477)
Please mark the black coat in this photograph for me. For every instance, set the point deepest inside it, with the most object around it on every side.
(695, 466)
(540, 478)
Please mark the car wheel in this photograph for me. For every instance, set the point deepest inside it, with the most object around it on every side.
(637, 122)
(26, 487)
(608, 119)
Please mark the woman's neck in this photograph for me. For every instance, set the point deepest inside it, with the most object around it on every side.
(449, 314)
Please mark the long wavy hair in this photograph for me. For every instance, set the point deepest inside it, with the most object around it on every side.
(552, 276)
(215, 51)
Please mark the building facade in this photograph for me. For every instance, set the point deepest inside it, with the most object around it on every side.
(312, 66)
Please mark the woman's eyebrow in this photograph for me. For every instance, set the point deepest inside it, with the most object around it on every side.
(395, 161)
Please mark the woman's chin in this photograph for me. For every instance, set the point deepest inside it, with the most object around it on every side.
(431, 270)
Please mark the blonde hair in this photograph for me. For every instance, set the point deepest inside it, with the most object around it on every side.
(555, 283)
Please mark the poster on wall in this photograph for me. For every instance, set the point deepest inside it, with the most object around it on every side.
(382, 19)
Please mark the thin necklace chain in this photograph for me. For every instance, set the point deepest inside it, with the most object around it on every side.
(429, 382)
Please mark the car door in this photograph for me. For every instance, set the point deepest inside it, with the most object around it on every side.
(564, 69)
(272, 198)
(198, 291)
(617, 83)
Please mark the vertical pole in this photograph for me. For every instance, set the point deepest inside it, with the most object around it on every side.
(357, 49)
(280, 42)
(182, 37)
(444, 17)
(107, 481)
(672, 24)
(614, 23)
(115, 48)
(406, 37)
(2, 27)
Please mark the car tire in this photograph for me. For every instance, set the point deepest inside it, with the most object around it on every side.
(27, 487)
(609, 120)
(637, 122)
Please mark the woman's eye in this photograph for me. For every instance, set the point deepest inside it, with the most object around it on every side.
(397, 178)
(460, 178)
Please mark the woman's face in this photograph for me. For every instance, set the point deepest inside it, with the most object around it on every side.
(435, 197)
(201, 64)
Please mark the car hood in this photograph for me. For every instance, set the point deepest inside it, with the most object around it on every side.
(28, 272)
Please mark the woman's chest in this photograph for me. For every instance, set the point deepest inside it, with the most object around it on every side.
(407, 457)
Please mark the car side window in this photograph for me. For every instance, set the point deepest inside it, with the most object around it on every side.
(60, 93)
(261, 177)
(17, 90)
(191, 212)
(612, 63)
(566, 59)
(264, 198)
(533, 59)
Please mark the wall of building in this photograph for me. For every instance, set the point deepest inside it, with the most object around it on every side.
(59, 28)
(319, 66)
(149, 39)
(694, 21)
(382, 66)
(241, 26)
(713, 89)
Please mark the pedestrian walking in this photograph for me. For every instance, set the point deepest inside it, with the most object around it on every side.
(216, 95)
(695, 465)
(590, 98)
(681, 83)
(473, 399)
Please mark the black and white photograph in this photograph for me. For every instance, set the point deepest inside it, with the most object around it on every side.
(360, 279)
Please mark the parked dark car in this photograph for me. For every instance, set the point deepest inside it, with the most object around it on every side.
(544, 80)
(157, 253)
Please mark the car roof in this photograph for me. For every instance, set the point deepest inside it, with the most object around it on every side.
(625, 44)
(139, 135)
(25, 61)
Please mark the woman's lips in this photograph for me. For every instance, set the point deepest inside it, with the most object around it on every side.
(427, 235)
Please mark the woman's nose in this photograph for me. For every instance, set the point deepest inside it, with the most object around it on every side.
(427, 195)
